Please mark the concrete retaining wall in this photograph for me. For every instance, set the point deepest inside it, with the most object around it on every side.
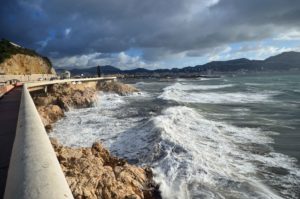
(34, 171)
(25, 78)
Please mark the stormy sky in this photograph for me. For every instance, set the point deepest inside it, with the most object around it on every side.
(151, 33)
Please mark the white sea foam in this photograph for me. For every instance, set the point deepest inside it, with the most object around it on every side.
(206, 159)
(215, 97)
(263, 84)
(104, 121)
(297, 90)
(177, 92)
(146, 83)
(186, 87)
(192, 156)
(241, 111)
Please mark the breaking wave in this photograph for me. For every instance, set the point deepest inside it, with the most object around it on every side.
(187, 87)
(192, 156)
(208, 159)
(177, 92)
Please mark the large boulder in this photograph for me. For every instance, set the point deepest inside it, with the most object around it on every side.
(50, 114)
(73, 95)
(60, 98)
(117, 87)
(94, 173)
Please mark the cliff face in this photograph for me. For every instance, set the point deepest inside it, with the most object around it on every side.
(16, 60)
(21, 64)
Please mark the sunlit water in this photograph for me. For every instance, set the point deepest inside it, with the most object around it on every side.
(233, 137)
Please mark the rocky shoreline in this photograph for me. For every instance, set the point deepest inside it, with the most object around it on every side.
(92, 172)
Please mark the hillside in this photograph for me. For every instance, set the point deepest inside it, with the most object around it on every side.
(283, 62)
(16, 60)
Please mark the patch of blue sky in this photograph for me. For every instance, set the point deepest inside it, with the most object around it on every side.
(51, 35)
(134, 52)
(182, 62)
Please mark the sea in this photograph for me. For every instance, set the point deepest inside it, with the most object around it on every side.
(228, 137)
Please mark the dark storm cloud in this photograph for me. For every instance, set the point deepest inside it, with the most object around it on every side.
(160, 28)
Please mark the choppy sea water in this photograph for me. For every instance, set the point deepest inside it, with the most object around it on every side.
(232, 137)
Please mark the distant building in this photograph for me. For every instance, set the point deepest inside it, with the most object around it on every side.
(65, 75)
(16, 45)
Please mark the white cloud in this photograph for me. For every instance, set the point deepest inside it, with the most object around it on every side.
(290, 35)
(258, 52)
(67, 31)
(120, 60)
(218, 53)
(79, 61)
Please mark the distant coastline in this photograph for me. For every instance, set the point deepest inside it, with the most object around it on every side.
(284, 62)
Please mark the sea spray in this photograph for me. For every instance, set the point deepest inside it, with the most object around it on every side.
(201, 144)
(204, 158)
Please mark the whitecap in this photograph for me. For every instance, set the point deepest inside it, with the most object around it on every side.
(186, 87)
(208, 159)
(177, 92)
(103, 122)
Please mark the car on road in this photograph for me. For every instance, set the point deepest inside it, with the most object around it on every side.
(13, 81)
(53, 78)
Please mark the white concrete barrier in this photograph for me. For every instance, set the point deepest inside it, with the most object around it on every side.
(44, 83)
(34, 171)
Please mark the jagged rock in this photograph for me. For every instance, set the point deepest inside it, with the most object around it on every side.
(44, 100)
(73, 95)
(50, 114)
(60, 98)
(116, 87)
(94, 173)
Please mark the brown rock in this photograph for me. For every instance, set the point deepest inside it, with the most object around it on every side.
(94, 173)
(73, 95)
(20, 64)
(50, 114)
(117, 87)
(60, 98)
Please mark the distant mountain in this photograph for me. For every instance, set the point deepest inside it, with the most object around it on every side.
(282, 62)
(286, 57)
(225, 66)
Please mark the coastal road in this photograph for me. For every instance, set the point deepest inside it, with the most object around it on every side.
(9, 109)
